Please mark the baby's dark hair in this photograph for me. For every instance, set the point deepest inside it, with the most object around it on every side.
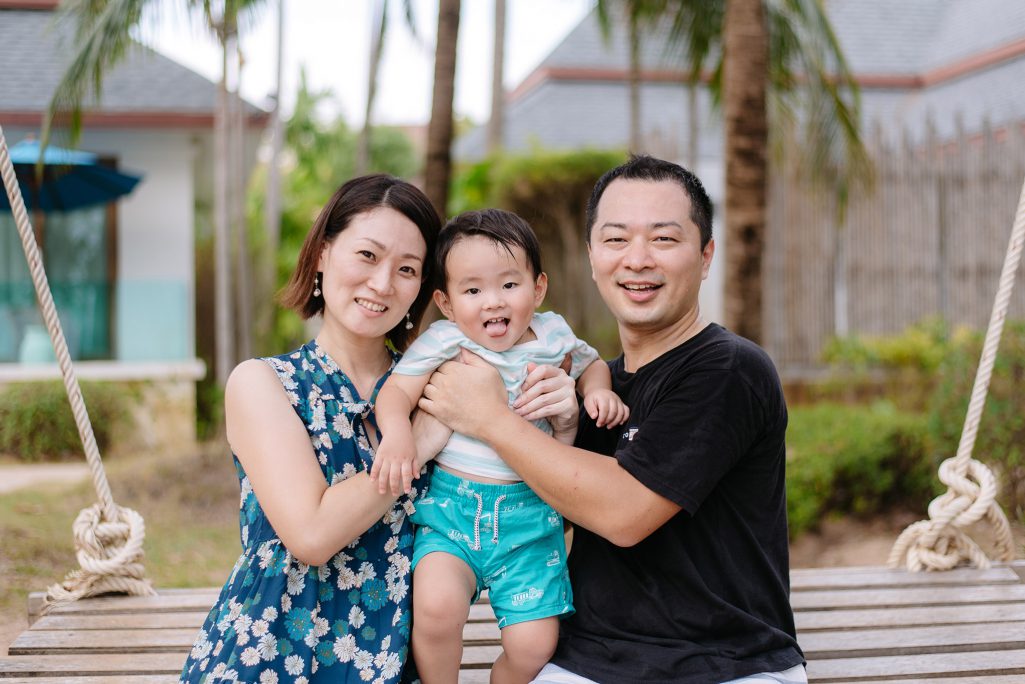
(504, 227)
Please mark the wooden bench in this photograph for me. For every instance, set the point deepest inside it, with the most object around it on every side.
(854, 624)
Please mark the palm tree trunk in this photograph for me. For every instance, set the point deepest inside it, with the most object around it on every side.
(237, 180)
(224, 334)
(438, 166)
(496, 125)
(635, 80)
(272, 201)
(376, 50)
(745, 69)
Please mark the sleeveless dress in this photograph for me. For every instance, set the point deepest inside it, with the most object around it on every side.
(279, 620)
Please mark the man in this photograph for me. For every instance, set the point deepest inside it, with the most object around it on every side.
(679, 563)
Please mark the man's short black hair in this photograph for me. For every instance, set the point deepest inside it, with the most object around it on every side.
(504, 227)
(646, 168)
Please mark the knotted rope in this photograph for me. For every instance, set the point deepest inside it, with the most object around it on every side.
(108, 538)
(941, 542)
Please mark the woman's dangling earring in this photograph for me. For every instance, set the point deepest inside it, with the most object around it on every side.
(316, 285)
(409, 322)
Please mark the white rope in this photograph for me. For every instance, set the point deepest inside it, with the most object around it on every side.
(941, 542)
(108, 538)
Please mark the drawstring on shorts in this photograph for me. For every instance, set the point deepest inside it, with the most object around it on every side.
(476, 520)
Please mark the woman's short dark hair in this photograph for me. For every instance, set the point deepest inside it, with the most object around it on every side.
(504, 227)
(355, 197)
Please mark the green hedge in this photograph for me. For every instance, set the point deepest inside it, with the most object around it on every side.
(36, 422)
(863, 460)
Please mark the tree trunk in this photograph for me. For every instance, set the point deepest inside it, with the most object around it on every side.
(438, 166)
(224, 333)
(496, 125)
(237, 184)
(272, 202)
(745, 76)
(636, 144)
(376, 50)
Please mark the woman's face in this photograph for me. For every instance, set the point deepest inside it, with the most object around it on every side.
(372, 272)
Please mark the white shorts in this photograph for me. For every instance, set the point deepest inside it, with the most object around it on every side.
(553, 674)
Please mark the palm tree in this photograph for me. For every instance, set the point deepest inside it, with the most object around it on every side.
(438, 165)
(777, 61)
(103, 33)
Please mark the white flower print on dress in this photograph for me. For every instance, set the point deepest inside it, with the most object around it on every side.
(343, 426)
(294, 664)
(356, 617)
(270, 613)
(268, 647)
(250, 656)
(268, 677)
(345, 648)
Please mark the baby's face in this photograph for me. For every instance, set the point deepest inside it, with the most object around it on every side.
(491, 293)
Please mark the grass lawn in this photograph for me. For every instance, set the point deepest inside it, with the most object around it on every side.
(189, 502)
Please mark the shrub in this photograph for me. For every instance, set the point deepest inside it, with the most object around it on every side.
(36, 422)
(1001, 440)
(855, 459)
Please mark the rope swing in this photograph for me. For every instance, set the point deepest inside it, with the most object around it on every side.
(941, 542)
(108, 537)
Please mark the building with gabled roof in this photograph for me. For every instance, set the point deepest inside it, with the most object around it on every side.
(123, 275)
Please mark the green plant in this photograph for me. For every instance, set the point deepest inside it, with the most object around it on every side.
(36, 422)
(1001, 438)
(855, 459)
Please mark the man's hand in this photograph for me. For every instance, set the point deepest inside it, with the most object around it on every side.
(548, 392)
(465, 395)
(393, 463)
(606, 408)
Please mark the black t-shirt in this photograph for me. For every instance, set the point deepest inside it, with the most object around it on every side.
(704, 598)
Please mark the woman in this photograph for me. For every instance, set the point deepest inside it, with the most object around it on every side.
(321, 590)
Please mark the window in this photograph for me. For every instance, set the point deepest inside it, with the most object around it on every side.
(77, 249)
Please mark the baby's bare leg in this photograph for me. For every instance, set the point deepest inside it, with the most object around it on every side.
(442, 588)
(526, 647)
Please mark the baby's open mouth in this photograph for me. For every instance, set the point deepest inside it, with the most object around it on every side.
(496, 327)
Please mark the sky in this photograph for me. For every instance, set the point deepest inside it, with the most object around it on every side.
(331, 40)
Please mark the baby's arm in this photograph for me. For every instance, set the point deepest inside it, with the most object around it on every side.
(393, 462)
(600, 402)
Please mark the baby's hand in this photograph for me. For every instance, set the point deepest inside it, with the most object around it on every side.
(393, 464)
(606, 408)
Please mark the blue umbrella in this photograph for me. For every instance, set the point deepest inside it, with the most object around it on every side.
(71, 179)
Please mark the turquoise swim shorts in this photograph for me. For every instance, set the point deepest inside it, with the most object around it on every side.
(511, 539)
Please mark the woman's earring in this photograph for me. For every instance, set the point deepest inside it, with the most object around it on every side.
(409, 322)
(316, 285)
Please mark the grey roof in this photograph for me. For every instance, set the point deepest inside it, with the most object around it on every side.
(34, 50)
(908, 40)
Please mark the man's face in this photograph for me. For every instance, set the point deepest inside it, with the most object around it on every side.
(646, 255)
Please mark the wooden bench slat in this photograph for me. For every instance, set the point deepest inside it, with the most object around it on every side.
(836, 578)
(117, 679)
(191, 620)
(975, 664)
(910, 596)
(912, 640)
(83, 665)
(856, 618)
(103, 641)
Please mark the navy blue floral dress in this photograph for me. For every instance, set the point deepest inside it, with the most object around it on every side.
(279, 620)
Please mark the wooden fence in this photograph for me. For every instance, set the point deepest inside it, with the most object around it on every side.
(928, 241)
